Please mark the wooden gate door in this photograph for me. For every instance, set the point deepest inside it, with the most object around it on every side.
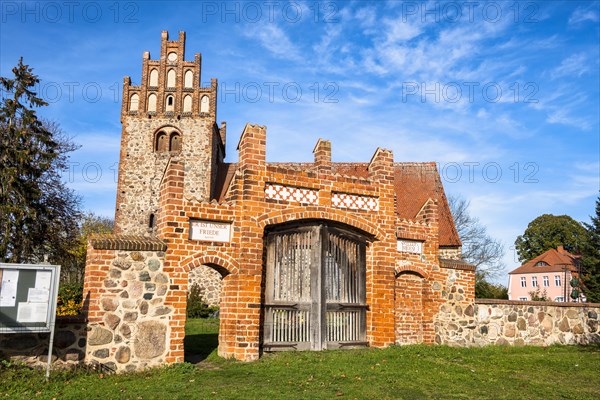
(315, 289)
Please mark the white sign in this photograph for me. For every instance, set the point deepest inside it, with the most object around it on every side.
(210, 231)
(410, 246)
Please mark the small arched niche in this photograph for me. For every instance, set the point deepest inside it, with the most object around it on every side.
(153, 80)
(188, 81)
(152, 103)
(171, 78)
(204, 103)
(187, 103)
(134, 102)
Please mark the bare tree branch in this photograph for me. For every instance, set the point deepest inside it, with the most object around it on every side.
(479, 248)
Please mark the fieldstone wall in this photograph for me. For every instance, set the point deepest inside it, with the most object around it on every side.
(517, 323)
(128, 327)
(32, 348)
(210, 282)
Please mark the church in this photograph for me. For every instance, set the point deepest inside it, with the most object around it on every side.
(309, 256)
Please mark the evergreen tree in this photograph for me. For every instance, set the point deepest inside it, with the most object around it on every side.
(591, 258)
(38, 214)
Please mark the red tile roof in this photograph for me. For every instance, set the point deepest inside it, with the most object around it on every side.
(414, 183)
(556, 259)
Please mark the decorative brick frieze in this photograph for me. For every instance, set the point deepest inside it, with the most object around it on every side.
(290, 194)
(354, 202)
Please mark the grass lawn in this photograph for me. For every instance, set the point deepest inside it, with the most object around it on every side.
(409, 372)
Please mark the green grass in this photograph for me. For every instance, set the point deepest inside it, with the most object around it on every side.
(409, 372)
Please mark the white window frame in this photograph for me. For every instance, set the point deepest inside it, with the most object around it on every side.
(523, 298)
(560, 299)
(523, 281)
(546, 281)
(534, 281)
(557, 281)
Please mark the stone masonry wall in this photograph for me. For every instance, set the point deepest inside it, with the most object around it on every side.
(504, 322)
(210, 282)
(32, 348)
(128, 327)
(144, 171)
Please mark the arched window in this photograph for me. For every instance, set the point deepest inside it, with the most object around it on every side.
(189, 79)
(187, 103)
(161, 142)
(175, 143)
(171, 78)
(170, 103)
(152, 103)
(134, 102)
(204, 104)
(153, 81)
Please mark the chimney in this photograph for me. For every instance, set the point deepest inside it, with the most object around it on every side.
(561, 249)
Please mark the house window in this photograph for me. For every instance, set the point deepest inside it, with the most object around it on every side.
(560, 299)
(546, 281)
(534, 281)
(541, 264)
(523, 298)
(557, 280)
(523, 281)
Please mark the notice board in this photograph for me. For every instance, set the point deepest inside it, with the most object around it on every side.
(28, 294)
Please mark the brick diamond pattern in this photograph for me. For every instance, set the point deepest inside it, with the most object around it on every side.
(354, 202)
(291, 194)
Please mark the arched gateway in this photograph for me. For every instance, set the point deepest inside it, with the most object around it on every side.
(315, 288)
(317, 253)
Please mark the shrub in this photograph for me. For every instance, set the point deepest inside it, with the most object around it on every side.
(196, 307)
(70, 299)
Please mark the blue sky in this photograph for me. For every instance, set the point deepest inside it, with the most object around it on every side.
(503, 95)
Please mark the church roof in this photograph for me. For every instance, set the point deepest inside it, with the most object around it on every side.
(414, 184)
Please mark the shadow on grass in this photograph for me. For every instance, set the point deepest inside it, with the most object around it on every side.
(201, 339)
(198, 347)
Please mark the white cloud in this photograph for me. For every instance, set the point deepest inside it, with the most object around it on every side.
(574, 65)
(275, 40)
(581, 15)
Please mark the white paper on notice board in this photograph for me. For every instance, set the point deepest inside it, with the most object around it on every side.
(43, 280)
(8, 290)
(38, 295)
(32, 312)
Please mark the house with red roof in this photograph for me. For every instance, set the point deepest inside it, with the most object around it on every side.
(548, 274)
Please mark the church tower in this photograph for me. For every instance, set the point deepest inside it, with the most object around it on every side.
(169, 117)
